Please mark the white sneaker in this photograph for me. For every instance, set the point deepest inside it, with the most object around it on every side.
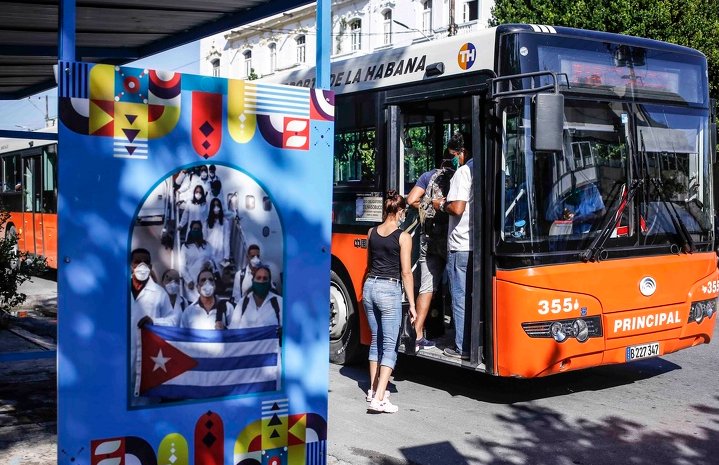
(384, 406)
(370, 395)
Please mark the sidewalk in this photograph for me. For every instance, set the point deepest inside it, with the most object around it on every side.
(28, 409)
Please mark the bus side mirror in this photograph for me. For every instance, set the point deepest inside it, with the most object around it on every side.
(548, 123)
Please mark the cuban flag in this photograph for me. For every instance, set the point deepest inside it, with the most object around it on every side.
(181, 363)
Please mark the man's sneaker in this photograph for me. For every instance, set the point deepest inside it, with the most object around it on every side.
(454, 353)
(384, 406)
(423, 343)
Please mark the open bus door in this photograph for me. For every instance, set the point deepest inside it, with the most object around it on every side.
(40, 203)
(418, 129)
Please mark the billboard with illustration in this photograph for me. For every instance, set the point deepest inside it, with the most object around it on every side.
(194, 224)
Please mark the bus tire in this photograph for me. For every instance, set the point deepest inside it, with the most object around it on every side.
(345, 345)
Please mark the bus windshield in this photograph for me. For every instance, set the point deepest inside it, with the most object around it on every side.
(654, 156)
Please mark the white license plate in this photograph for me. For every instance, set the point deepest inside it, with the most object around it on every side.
(642, 351)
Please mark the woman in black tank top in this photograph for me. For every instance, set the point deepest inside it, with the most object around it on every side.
(389, 262)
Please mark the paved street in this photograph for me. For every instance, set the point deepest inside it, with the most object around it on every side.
(658, 411)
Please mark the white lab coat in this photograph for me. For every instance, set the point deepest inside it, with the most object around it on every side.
(196, 317)
(194, 259)
(254, 316)
(154, 302)
(218, 238)
(193, 212)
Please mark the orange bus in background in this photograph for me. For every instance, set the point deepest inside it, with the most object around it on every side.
(549, 111)
(28, 190)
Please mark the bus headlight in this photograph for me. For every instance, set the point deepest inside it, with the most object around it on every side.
(701, 309)
(557, 332)
(581, 330)
(560, 330)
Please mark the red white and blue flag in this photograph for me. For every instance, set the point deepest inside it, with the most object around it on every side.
(181, 363)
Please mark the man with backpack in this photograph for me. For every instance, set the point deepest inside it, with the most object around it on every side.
(433, 184)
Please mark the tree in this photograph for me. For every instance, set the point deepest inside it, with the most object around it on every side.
(692, 23)
(15, 268)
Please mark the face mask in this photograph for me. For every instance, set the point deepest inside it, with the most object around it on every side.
(260, 289)
(255, 261)
(455, 162)
(400, 219)
(213, 175)
(216, 210)
(207, 289)
(172, 287)
(141, 272)
(194, 236)
(198, 196)
(203, 176)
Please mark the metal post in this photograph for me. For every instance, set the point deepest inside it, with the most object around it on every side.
(324, 43)
(66, 30)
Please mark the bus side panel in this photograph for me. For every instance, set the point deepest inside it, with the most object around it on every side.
(25, 229)
(351, 250)
(523, 356)
(49, 225)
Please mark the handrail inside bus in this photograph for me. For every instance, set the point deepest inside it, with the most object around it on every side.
(496, 82)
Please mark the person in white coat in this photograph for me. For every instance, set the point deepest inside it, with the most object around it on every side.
(197, 257)
(257, 307)
(203, 313)
(171, 283)
(243, 277)
(149, 304)
(196, 210)
(217, 232)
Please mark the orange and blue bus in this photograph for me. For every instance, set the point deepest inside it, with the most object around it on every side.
(28, 191)
(549, 111)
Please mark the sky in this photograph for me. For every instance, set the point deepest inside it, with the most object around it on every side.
(29, 113)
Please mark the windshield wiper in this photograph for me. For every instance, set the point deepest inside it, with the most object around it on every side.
(685, 239)
(611, 222)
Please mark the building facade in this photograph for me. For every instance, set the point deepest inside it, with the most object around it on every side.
(287, 41)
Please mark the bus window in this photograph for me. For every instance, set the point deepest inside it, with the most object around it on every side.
(11, 183)
(419, 152)
(49, 175)
(355, 159)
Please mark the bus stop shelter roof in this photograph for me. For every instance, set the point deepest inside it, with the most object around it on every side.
(110, 31)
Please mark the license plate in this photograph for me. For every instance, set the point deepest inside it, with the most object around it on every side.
(642, 351)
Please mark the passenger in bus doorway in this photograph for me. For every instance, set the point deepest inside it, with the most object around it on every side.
(433, 184)
(389, 257)
(458, 205)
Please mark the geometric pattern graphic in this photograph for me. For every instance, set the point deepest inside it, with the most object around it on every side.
(296, 439)
(173, 450)
(120, 451)
(322, 105)
(209, 440)
(206, 123)
(72, 79)
(133, 106)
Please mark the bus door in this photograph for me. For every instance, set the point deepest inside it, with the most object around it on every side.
(48, 184)
(418, 132)
(32, 202)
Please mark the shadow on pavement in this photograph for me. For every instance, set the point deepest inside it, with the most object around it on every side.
(457, 381)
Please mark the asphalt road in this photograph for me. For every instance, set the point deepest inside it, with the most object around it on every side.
(655, 412)
(652, 412)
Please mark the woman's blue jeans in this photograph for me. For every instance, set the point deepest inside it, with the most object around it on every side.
(382, 300)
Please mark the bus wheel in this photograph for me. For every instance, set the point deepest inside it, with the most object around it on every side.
(344, 323)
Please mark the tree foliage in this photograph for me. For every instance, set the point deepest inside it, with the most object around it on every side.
(692, 23)
(15, 268)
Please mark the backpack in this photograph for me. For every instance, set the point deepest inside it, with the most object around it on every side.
(276, 307)
(221, 311)
(434, 223)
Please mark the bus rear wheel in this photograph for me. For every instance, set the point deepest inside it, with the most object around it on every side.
(345, 345)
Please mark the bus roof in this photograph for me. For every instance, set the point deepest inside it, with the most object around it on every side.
(8, 145)
(443, 57)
